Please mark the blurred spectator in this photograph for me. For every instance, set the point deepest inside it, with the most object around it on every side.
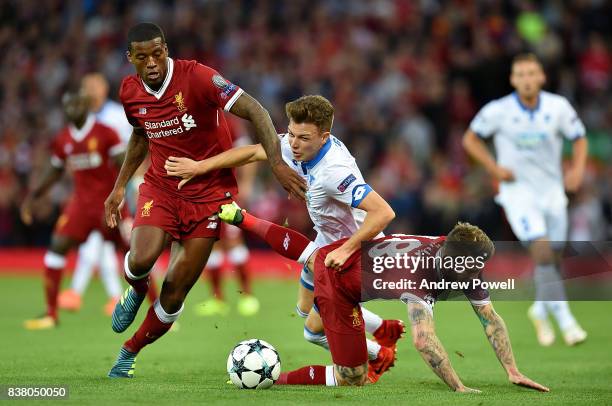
(405, 77)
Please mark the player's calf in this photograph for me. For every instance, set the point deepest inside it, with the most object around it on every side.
(351, 376)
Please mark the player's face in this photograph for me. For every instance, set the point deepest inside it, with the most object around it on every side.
(527, 78)
(305, 140)
(76, 107)
(150, 58)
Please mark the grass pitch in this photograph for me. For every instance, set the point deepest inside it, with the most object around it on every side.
(188, 366)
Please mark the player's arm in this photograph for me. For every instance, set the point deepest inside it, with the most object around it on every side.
(378, 215)
(248, 108)
(575, 173)
(186, 168)
(136, 153)
(497, 333)
(429, 346)
(478, 150)
(53, 173)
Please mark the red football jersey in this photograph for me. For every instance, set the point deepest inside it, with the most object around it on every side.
(87, 154)
(184, 118)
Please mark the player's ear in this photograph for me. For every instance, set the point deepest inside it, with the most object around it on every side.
(128, 55)
(325, 136)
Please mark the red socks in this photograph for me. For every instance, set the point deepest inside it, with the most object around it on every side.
(53, 278)
(215, 281)
(285, 241)
(308, 375)
(245, 278)
(141, 286)
(150, 330)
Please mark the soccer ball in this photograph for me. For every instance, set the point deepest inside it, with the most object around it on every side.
(253, 364)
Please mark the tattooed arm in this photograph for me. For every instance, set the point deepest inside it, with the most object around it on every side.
(497, 333)
(431, 349)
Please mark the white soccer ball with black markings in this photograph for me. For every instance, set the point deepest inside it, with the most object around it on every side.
(253, 364)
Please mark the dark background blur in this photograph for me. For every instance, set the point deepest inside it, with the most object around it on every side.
(406, 77)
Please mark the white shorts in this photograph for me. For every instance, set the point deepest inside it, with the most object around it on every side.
(530, 222)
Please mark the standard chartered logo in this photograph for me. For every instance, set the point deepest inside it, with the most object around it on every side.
(188, 121)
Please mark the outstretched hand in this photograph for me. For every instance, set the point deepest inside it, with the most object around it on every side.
(184, 168)
(521, 380)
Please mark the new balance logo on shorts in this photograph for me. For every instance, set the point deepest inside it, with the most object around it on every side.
(286, 241)
(212, 224)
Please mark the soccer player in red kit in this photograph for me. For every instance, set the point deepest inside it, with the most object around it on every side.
(176, 109)
(93, 153)
(339, 292)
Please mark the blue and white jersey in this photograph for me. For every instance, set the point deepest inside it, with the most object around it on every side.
(335, 189)
(112, 114)
(529, 142)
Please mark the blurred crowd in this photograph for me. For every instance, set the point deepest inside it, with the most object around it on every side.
(405, 77)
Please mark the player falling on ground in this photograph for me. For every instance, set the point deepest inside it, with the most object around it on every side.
(95, 252)
(93, 153)
(339, 201)
(338, 292)
(175, 107)
(231, 247)
(528, 128)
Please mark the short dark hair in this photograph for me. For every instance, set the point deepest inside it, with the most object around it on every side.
(144, 32)
(526, 57)
(315, 110)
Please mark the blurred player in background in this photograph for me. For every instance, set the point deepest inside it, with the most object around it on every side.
(338, 292)
(96, 252)
(231, 244)
(339, 201)
(93, 152)
(528, 128)
(175, 108)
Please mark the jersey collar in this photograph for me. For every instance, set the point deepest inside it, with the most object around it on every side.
(310, 164)
(159, 93)
(79, 134)
(526, 109)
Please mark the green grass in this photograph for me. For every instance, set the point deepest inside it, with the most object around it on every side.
(188, 366)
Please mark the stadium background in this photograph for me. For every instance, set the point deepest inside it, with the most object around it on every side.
(405, 77)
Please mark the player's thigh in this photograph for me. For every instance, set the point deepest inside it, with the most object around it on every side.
(186, 263)
(351, 376)
(305, 299)
(313, 322)
(527, 221)
(146, 244)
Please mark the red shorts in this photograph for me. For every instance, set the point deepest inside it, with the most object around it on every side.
(182, 219)
(77, 222)
(337, 296)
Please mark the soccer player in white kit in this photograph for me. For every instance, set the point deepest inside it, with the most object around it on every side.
(339, 201)
(528, 128)
(95, 251)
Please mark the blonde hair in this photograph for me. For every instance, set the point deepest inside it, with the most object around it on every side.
(312, 109)
(467, 239)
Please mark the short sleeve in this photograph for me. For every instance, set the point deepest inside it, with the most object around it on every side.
(219, 91)
(286, 150)
(58, 156)
(114, 143)
(123, 98)
(478, 296)
(485, 124)
(345, 184)
(571, 126)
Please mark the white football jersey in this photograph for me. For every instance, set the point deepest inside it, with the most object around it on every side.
(112, 114)
(529, 142)
(335, 189)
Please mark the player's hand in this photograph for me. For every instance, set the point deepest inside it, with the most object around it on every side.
(184, 168)
(26, 211)
(112, 207)
(337, 258)
(465, 389)
(502, 174)
(290, 180)
(573, 179)
(521, 380)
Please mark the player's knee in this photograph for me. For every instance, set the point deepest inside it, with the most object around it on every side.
(316, 337)
(141, 261)
(351, 376)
